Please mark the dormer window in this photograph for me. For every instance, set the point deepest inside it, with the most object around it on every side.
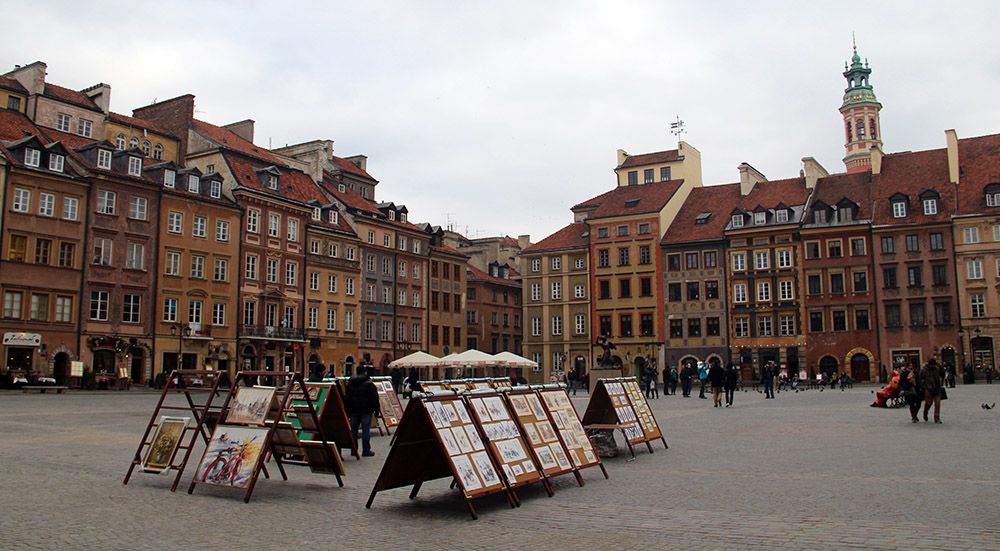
(899, 209)
(32, 157)
(334, 217)
(134, 166)
(819, 216)
(993, 195)
(737, 220)
(56, 162)
(342, 188)
(272, 181)
(169, 178)
(845, 214)
(104, 159)
(402, 217)
(759, 218)
(930, 206)
(215, 189)
(702, 218)
(781, 216)
(317, 213)
(392, 215)
(194, 183)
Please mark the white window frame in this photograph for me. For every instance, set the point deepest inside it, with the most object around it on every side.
(197, 266)
(253, 220)
(106, 202)
(134, 166)
(899, 209)
(22, 200)
(786, 290)
(63, 122)
(199, 227)
(222, 231)
(218, 314)
(138, 207)
(739, 262)
(764, 291)
(71, 208)
(974, 268)
(930, 207)
(971, 234)
(172, 263)
(740, 293)
(56, 162)
(104, 159)
(175, 222)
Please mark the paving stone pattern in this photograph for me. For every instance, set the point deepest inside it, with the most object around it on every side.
(809, 470)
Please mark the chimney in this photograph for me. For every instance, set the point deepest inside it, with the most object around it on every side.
(952, 139)
(101, 94)
(876, 153)
(812, 171)
(749, 177)
(31, 76)
(523, 241)
(174, 115)
(359, 161)
(622, 155)
(243, 129)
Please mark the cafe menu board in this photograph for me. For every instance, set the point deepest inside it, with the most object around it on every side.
(581, 450)
(540, 433)
(504, 439)
(624, 411)
(392, 410)
(641, 407)
(466, 451)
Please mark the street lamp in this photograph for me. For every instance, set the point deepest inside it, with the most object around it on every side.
(178, 330)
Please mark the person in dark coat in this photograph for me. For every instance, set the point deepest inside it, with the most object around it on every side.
(717, 378)
(767, 379)
(666, 380)
(397, 378)
(908, 387)
(360, 403)
(930, 384)
(686, 375)
(732, 377)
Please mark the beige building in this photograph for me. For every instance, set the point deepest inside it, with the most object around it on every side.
(556, 302)
(683, 163)
(74, 112)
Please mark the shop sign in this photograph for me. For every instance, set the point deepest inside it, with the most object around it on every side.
(22, 339)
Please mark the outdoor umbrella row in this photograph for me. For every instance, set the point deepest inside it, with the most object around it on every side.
(469, 358)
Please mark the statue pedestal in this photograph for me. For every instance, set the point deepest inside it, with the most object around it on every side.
(602, 373)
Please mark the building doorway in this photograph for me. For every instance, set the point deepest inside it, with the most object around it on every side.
(137, 362)
(349, 366)
(982, 352)
(104, 361)
(828, 367)
(860, 368)
(60, 368)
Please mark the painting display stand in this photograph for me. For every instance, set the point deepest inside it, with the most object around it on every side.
(439, 438)
(545, 444)
(328, 400)
(615, 404)
(252, 428)
(389, 405)
(569, 428)
(200, 416)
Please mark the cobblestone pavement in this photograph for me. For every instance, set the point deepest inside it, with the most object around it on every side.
(809, 470)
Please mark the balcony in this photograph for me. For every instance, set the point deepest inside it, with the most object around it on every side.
(270, 332)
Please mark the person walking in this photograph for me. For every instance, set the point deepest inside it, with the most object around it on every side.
(703, 377)
(930, 383)
(666, 381)
(767, 379)
(732, 377)
(674, 376)
(989, 375)
(360, 403)
(687, 373)
(717, 377)
(654, 377)
(573, 376)
(908, 388)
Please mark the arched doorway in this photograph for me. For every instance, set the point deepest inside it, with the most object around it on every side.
(288, 359)
(580, 366)
(349, 366)
(60, 368)
(315, 368)
(248, 359)
(828, 366)
(860, 367)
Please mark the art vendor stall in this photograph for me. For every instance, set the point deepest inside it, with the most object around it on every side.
(618, 404)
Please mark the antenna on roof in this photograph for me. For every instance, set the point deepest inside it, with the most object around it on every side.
(449, 216)
(677, 128)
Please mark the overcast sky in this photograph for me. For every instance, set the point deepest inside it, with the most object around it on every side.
(499, 116)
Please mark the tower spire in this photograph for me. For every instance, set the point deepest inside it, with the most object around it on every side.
(861, 113)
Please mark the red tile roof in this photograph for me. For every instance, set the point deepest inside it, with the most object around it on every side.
(73, 97)
(979, 162)
(126, 120)
(229, 140)
(474, 274)
(836, 187)
(69, 139)
(449, 250)
(658, 157)
(13, 85)
(14, 126)
(631, 200)
(912, 173)
(348, 166)
(791, 192)
(718, 201)
(352, 200)
(292, 184)
(573, 236)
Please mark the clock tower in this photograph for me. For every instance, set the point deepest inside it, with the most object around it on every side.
(862, 128)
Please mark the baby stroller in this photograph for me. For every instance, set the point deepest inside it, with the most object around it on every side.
(891, 395)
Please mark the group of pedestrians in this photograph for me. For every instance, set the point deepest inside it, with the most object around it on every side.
(925, 385)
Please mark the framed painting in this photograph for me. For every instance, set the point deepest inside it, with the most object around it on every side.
(250, 405)
(231, 456)
(162, 448)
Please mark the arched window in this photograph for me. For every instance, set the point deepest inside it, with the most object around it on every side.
(861, 129)
(145, 147)
(849, 136)
(133, 143)
(871, 128)
(157, 151)
(120, 142)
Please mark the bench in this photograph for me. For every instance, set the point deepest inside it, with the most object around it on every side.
(41, 389)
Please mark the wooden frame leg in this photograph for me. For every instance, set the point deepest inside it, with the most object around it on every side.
(664, 440)
(548, 487)
(416, 488)
(649, 446)
(371, 498)
(579, 478)
(472, 510)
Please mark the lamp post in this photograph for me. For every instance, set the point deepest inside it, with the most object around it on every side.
(178, 330)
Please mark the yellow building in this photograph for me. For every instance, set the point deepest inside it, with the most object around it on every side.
(127, 133)
(683, 163)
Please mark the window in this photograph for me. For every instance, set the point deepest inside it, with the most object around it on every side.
(579, 291)
(836, 284)
(67, 254)
(218, 314)
(62, 122)
(633, 177)
(647, 176)
(740, 292)
(604, 289)
(351, 253)
(137, 208)
(739, 262)
(710, 259)
(194, 311)
(158, 152)
(370, 263)
(71, 208)
(386, 241)
(602, 233)
(56, 162)
(759, 218)
(250, 267)
(693, 290)
(104, 159)
(197, 266)
(556, 290)
(784, 258)
(889, 245)
(103, 251)
(834, 248)
(785, 291)
(741, 327)
(898, 209)
(937, 241)
(812, 249)
(85, 128)
(536, 292)
(579, 263)
(939, 275)
(737, 221)
(249, 313)
(580, 324)
(914, 276)
(536, 327)
(39, 307)
(860, 282)
(291, 273)
(557, 325)
(334, 217)
(135, 256)
(221, 230)
(763, 292)
(624, 288)
(786, 325)
(664, 173)
(172, 265)
(912, 243)
(98, 305)
(17, 250)
(312, 319)
(645, 287)
(974, 268)
(134, 166)
(764, 328)
(556, 263)
(676, 329)
(978, 302)
(13, 103)
(625, 326)
(293, 230)
(893, 316)
(918, 315)
(839, 320)
(64, 309)
(694, 327)
(674, 292)
(816, 321)
(781, 216)
(623, 256)
(221, 271)
(857, 246)
(331, 319)
(131, 308)
(889, 278)
(106, 202)
(175, 222)
(22, 200)
(711, 290)
(198, 229)
(215, 189)
(644, 256)
(349, 289)
(942, 313)
(603, 258)
(644, 228)
(12, 304)
(253, 220)
(762, 260)
(930, 207)
(815, 284)
(819, 215)
(861, 319)
(971, 234)
(401, 298)
(274, 225)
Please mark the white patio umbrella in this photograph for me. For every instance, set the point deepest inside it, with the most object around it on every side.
(513, 360)
(417, 359)
(469, 358)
